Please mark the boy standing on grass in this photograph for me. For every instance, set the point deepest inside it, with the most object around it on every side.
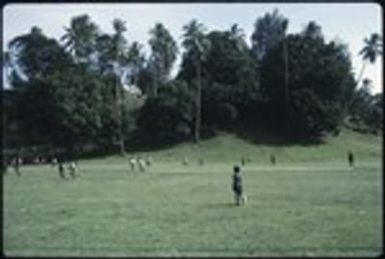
(237, 185)
(272, 159)
(351, 159)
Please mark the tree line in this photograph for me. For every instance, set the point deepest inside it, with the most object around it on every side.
(73, 93)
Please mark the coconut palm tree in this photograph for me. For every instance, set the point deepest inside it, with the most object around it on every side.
(80, 37)
(164, 51)
(370, 52)
(119, 61)
(104, 53)
(269, 31)
(136, 60)
(238, 36)
(33, 55)
(196, 43)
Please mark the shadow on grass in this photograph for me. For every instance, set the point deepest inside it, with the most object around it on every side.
(220, 205)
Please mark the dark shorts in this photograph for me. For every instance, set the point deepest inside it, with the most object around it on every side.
(237, 189)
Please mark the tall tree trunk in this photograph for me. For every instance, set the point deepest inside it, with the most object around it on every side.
(287, 114)
(122, 144)
(258, 74)
(119, 109)
(155, 80)
(198, 103)
(361, 73)
(286, 72)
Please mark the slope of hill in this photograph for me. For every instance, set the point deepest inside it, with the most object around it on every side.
(230, 148)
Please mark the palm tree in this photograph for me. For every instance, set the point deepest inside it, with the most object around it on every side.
(237, 35)
(269, 31)
(119, 43)
(33, 55)
(80, 37)
(119, 62)
(104, 53)
(23, 47)
(136, 60)
(196, 43)
(370, 52)
(313, 30)
(164, 52)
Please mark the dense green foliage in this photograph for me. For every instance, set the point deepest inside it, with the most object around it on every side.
(102, 90)
(316, 82)
(168, 116)
(66, 102)
(366, 110)
(163, 54)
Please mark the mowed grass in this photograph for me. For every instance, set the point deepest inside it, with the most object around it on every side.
(314, 207)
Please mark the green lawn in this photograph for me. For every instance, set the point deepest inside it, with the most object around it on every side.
(310, 203)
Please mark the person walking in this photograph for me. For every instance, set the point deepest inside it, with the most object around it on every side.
(351, 159)
(237, 185)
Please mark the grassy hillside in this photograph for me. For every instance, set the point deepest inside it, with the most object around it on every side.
(310, 204)
(229, 148)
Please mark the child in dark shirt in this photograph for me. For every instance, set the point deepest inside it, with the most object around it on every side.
(351, 159)
(237, 186)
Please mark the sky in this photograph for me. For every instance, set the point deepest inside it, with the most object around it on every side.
(349, 23)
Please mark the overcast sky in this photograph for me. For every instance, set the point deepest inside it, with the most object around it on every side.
(348, 22)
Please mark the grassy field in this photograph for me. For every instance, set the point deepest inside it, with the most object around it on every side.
(310, 204)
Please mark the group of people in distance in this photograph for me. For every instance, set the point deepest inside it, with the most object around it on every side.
(17, 161)
(186, 161)
(71, 166)
(139, 162)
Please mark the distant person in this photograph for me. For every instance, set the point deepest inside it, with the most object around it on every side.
(16, 165)
(237, 186)
(141, 164)
(36, 160)
(351, 158)
(148, 161)
(132, 163)
(54, 162)
(61, 169)
(72, 169)
(43, 160)
(272, 159)
(185, 161)
(201, 161)
(243, 161)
